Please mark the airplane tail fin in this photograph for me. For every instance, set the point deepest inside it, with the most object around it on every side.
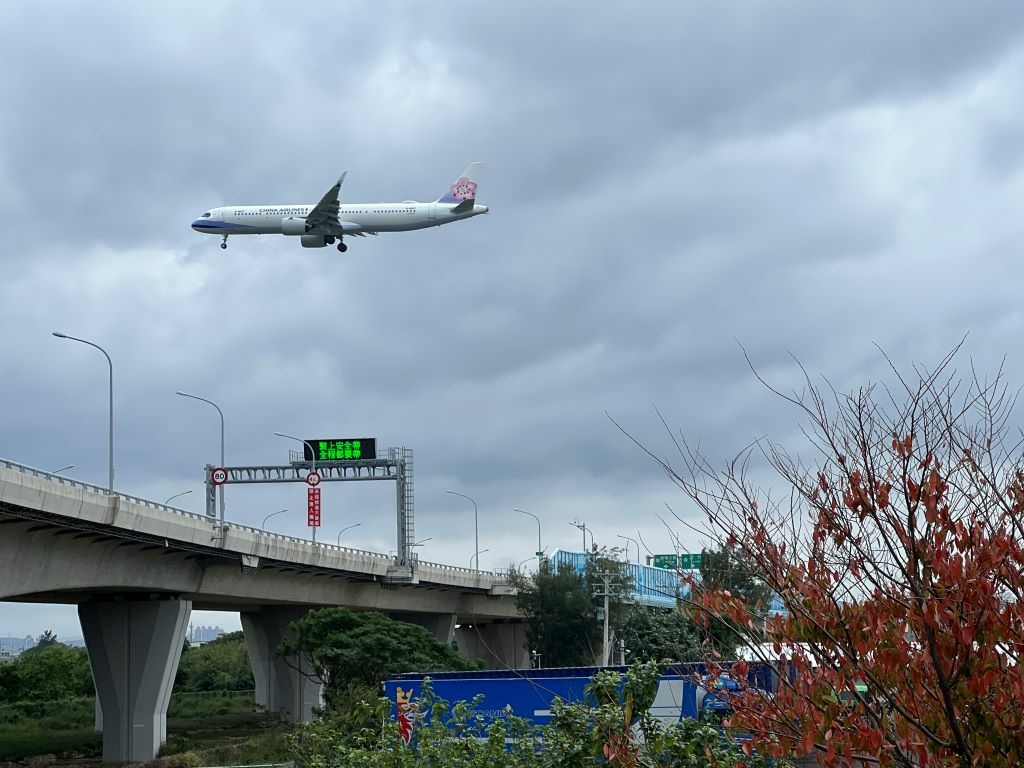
(463, 190)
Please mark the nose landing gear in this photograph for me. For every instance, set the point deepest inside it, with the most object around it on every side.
(224, 242)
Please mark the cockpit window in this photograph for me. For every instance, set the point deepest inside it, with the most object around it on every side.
(206, 215)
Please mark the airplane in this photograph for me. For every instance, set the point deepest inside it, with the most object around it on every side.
(327, 222)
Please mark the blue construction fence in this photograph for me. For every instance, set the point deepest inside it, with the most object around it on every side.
(655, 587)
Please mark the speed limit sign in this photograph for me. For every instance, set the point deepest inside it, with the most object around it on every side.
(313, 479)
(219, 476)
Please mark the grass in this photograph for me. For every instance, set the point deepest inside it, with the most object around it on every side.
(205, 729)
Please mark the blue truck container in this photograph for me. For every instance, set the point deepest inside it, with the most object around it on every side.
(529, 693)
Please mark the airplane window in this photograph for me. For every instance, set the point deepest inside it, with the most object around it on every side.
(206, 215)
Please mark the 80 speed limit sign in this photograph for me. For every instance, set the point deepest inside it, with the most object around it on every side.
(219, 476)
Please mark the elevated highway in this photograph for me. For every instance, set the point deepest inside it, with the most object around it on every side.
(136, 568)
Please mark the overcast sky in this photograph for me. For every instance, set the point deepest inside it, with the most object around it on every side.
(666, 181)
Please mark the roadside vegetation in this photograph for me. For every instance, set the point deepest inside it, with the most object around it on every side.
(47, 705)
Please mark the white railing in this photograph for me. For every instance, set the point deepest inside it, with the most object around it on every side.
(62, 480)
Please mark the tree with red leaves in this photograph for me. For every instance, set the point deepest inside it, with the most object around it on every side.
(897, 550)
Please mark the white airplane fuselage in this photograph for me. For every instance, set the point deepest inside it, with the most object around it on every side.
(367, 218)
(320, 224)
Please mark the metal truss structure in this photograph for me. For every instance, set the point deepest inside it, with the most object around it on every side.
(396, 465)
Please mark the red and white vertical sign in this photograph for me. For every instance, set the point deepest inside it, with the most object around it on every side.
(313, 507)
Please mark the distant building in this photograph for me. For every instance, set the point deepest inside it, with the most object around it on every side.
(199, 635)
(12, 647)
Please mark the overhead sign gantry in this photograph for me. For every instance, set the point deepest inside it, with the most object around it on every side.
(353, 459)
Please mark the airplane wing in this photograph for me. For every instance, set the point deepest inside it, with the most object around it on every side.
(351, 228)
(324, 215)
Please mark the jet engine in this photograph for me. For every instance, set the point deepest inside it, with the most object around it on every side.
(314, 241)
(293, 225)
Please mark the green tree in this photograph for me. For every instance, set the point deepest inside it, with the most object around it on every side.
(346, 647)
(55, 672)
(562, 607)
(219, 665)
(652, 634)
(561, 623)
(45, 640)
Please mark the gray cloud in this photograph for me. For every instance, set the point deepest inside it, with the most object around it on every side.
(665, 185)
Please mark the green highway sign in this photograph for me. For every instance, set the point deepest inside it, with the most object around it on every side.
(684, 561)
(341, 449)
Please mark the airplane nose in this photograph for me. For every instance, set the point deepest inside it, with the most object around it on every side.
(197, 224)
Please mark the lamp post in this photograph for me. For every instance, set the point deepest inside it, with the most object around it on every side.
(540, 549)
(312, 452)
(263, 525)
(525, 561)
(171, 498)
(477, 556)
(110, 435)
(347, 527)
(62, 469)
(476, 524)
(629, 539)
(221, 413)
(583, 527)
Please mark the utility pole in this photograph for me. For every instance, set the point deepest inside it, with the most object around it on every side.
(608, 580)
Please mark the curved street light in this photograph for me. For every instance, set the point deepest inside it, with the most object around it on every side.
(477, 556)
(346, 528)
(583, 527)
(263, 525)
(221, 413)
(476, 524)
(171, 498)
(62, 469)
(110, 435)
(629, 539)
(540, 549)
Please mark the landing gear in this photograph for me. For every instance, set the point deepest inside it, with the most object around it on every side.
(342, 247)
(224, 242)
(329, 240)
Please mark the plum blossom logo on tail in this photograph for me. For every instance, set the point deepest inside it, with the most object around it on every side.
(464, 189)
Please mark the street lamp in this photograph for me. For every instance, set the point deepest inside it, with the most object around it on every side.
(219, 411)
(183, 493)
(476, 524)
(629, 539)
(312, 452)
(540, 549)
(477, 556)
(525, 561)
(110, 436)
(347, 527)
(264, 524)
(421, 542)
(583, 527)
(62, 469)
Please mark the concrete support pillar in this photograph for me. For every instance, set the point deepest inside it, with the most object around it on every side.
(440, 625)
(134, 648)
(282, 685)
(498, 646)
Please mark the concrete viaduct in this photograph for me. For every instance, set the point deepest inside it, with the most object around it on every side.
(136, 568)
